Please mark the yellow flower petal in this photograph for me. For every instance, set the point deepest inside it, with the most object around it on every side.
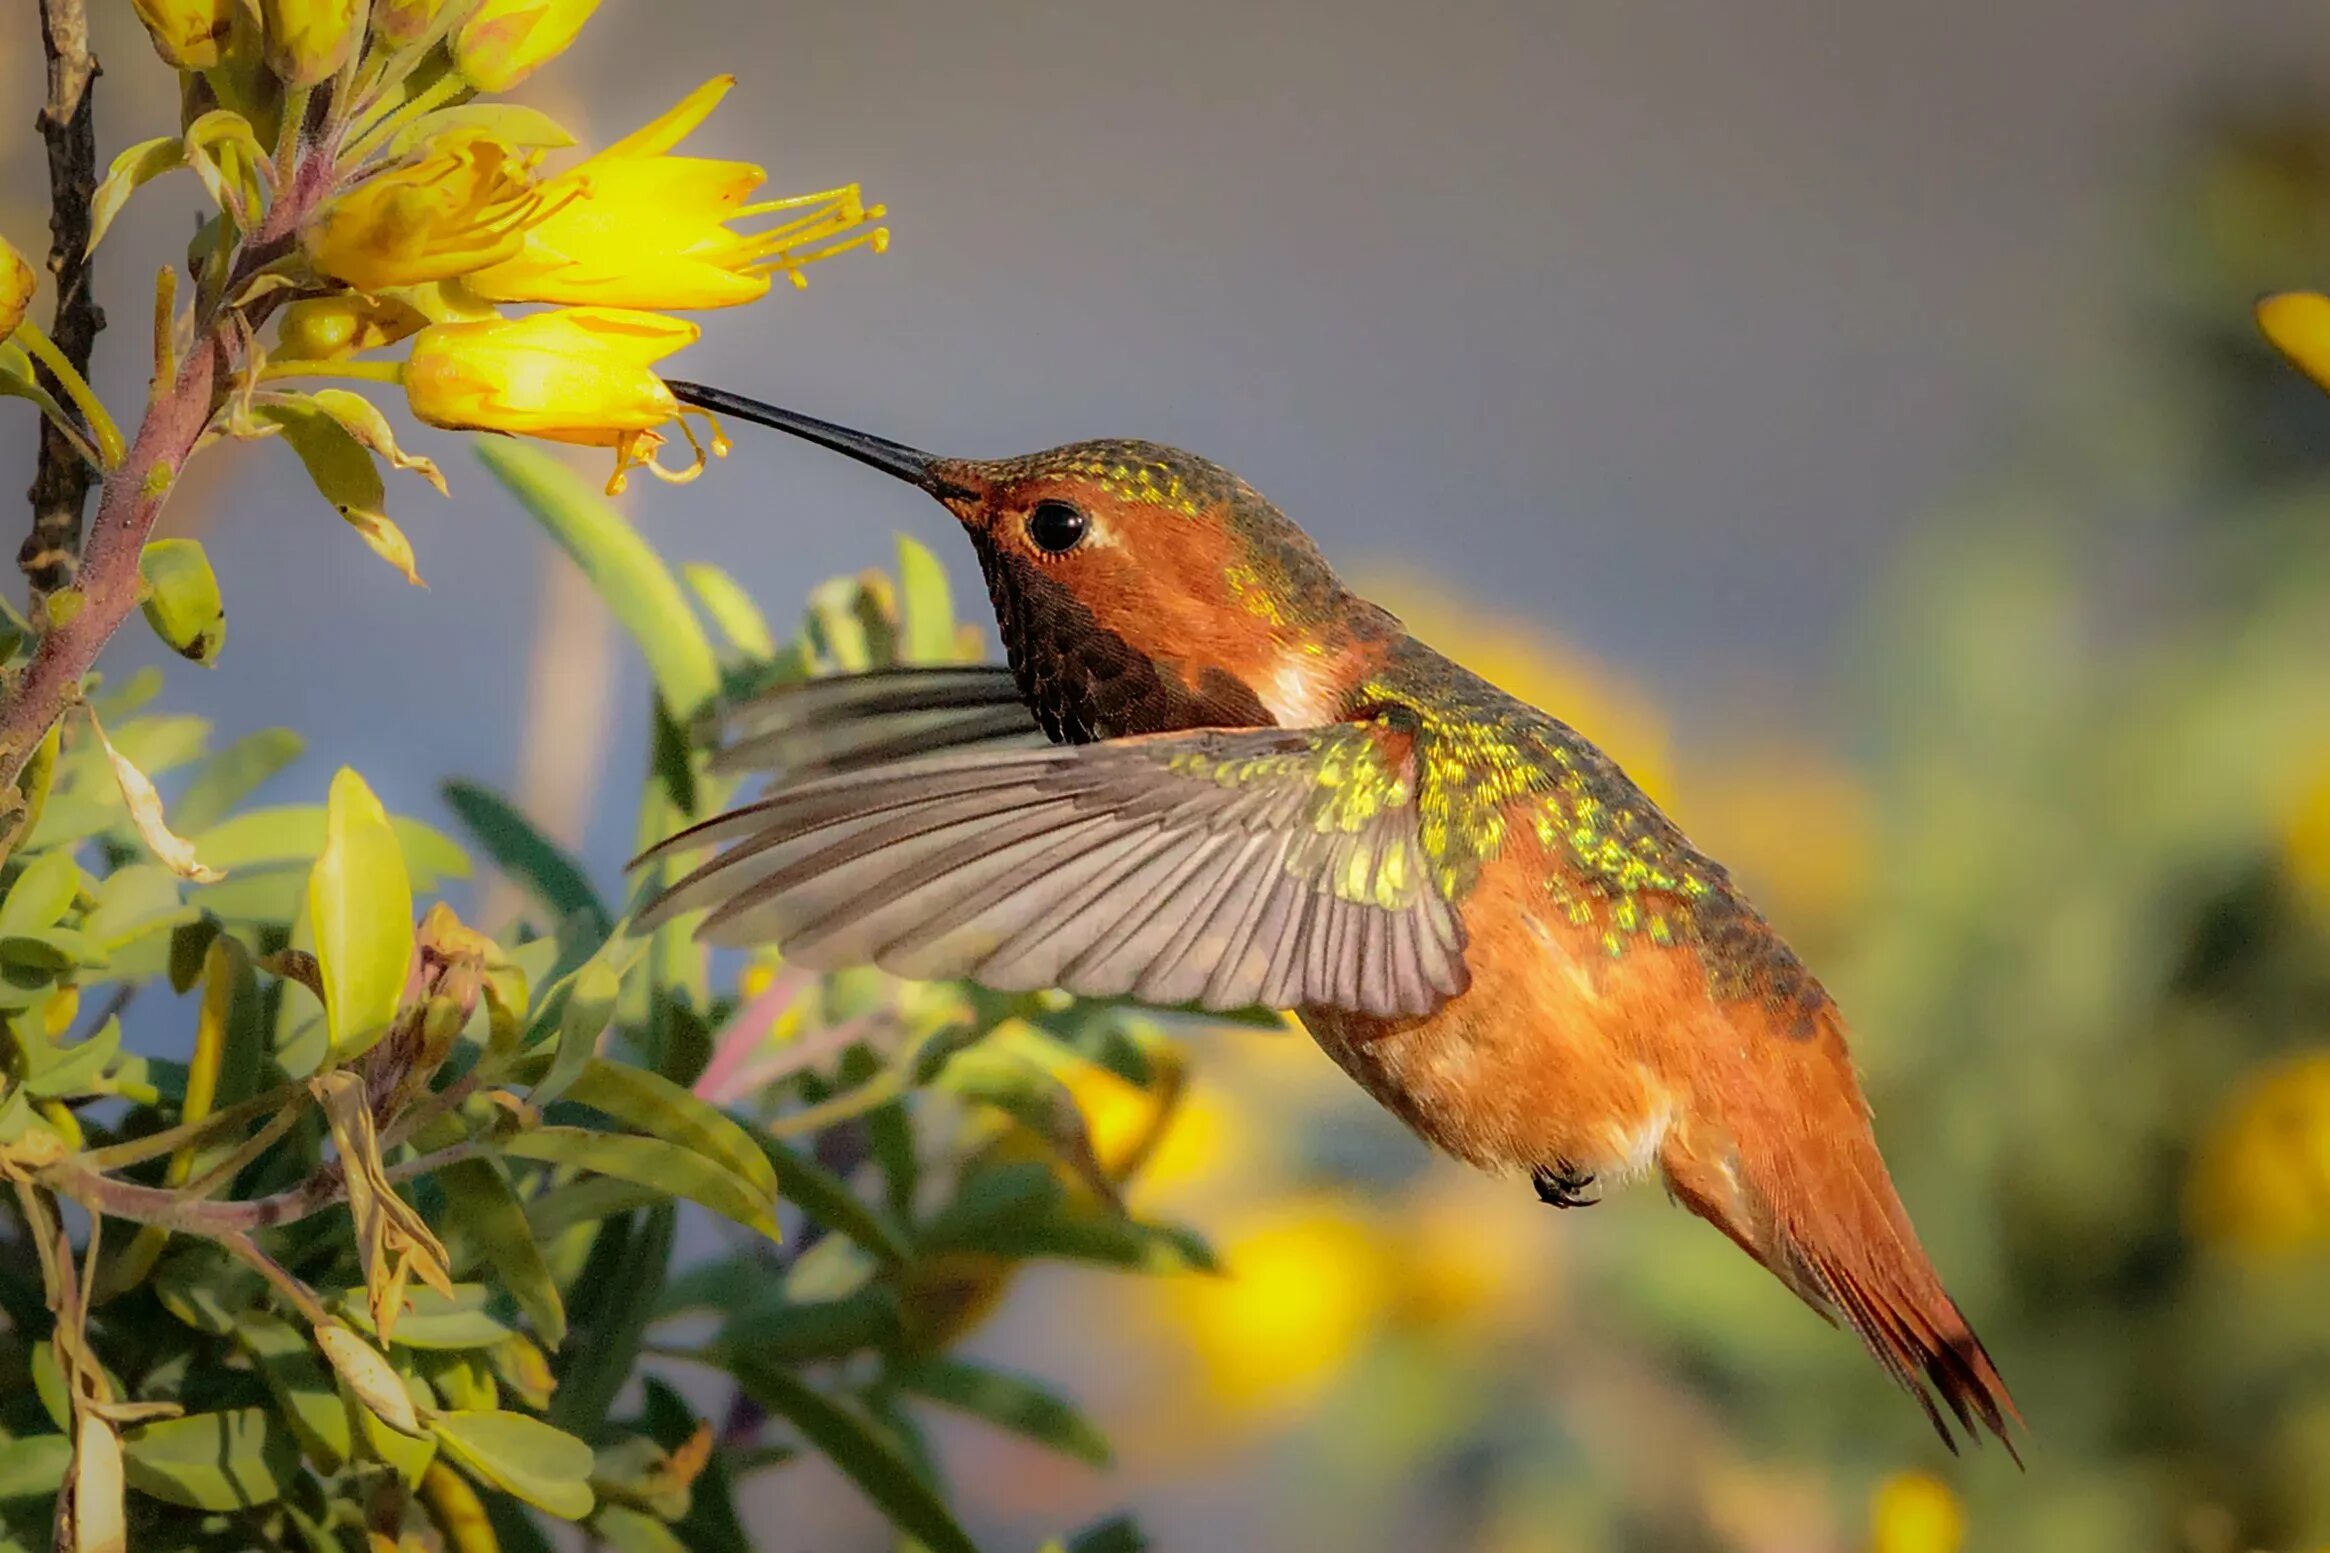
(463, 204)
(579, 374)
(2298, 323)
(505, 41)
(188, 34)
(308, 40)
(675, 124)
(18, 281)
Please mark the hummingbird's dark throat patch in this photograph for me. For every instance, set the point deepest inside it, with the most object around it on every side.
(1083, 681)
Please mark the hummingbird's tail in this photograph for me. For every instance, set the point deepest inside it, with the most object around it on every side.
(1795, 1178)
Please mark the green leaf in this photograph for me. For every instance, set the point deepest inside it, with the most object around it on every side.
(295, 833)
(827, 1199)
(485, 1221)
(433, 1321)
(930, 607)
(303, 1388)
(33, 1467)
(343, 470)
(657, 1106)
(1117, 1534)
(232, 775)
(42, 894)
(1009, 1402)
(74, 1069)
(613, 1301)
(593, 1197)
(135, 900)
(584, 1005)
(634, 1531)
(361, 904)
(212, 1461)
(626, 572)
(732, 610)
(181, 599)
(854, 1446)
(140, 164)
(531, 859)
(795, 1331)
(548, 1468)
(668, 1167)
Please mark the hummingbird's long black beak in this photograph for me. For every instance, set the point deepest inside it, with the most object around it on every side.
(915, 467)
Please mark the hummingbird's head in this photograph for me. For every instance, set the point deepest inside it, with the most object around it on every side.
(1134, 562)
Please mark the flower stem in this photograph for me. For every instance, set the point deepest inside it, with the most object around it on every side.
(370, 137)
(367, 371)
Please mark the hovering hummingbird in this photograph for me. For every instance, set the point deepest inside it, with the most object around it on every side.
(1212, 775)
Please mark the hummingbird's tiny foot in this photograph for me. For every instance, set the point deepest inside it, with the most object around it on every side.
(1564, 1185)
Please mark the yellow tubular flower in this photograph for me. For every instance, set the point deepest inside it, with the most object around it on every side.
(636, 227)
(18, 281)
(188, 34)
(505, 41)
(399, 22)
(464, 203)
(580, 374)
(321, 328)
(308, 40)
(2298, 323)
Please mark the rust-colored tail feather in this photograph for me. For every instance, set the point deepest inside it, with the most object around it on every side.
(1814, 1204)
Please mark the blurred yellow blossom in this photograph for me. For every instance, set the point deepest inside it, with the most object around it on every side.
(18, 282)
(635, 226)
(504, 41)
(462, 204)
(188, 34)
(1915, 1512)
(1519, 657)
(2261, 1181)
(320, 328)
(1796, 826)
(1471, 1255)
(1303, 1289)
(308, 40)
(2298, 323)
(577, 374)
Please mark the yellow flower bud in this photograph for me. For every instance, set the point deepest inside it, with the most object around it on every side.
(399, 22)
(461, 205)
(579, 374)
(322, 328)
(188, 34)
(18, 281)
(2261, 1177)
(308, 40)
(636, 227)
(2298, 323)
(1915, 1512)
(505, 41)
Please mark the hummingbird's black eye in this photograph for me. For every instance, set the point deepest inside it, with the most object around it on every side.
(1057, 527)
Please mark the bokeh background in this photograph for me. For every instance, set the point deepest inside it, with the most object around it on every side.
(1846, 412)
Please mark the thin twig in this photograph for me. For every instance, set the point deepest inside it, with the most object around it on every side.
(61, 480)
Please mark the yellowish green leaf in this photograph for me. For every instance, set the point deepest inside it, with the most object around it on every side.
(524, 1457)
(212, 1461)
(139, 165)
(181, 599)
(361, 904)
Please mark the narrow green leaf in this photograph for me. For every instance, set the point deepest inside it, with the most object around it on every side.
(628, 574)
(232, 775)
(653, 1162)
(613, 1301)
(212, 1461)
(74, 1069)
(433, 1321)
(593, 1197)
(1009, 1402)
(135, 900)
(532, 860)
(856, 1448)
(656, 1105)
(33, 1467)
(181, 599)
(486, 1222)
(797, 1331)
(635, 1531)
(827, 1199)
(585, 1006)
(304, 1390)
(42, 894)
(548, 1468)
(930, 607)
(296, 833)
(361, 904)
(343, 470)
(732, 610)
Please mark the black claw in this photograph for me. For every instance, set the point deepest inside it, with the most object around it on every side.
(1564, 1185)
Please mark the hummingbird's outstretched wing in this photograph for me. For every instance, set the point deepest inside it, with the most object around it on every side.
(821, 726)
(1271, 868)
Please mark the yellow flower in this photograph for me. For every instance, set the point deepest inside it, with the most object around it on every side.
(2308, 841)
(463, 204)
(18, 281)
(308, 40)
(505, 41)
(636, 227)
(578, 374)
(188, 34)
(321, 328)
(2298, 323)
(399, 22)
(1303, 1290)
(2261, 1182)
(1915, 1512)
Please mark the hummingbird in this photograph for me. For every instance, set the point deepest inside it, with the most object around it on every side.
(1212, 776)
